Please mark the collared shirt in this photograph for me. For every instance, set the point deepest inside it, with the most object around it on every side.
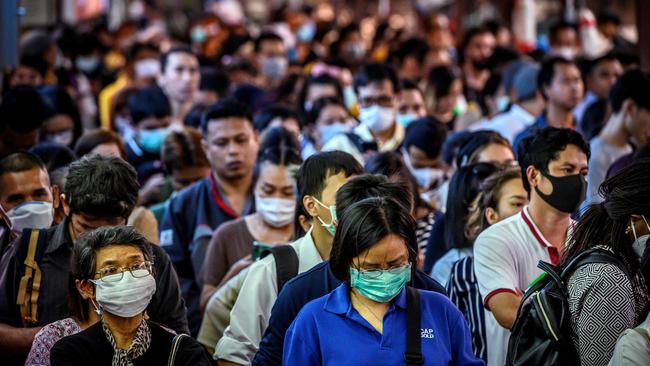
(510, 123)
(540, 122)
(166, 306)
(317, 282)
(342, 142)
(579, 111)
(250, 315)
(442, 268)
(505, 260)
(330, 331)
(185, 232)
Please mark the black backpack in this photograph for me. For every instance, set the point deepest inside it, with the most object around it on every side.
(286, 263)
(541, 335)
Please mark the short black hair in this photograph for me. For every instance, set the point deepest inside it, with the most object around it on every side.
(266, 36)
(547, 71)
(53, 155)
(22, 110)
(608, 17)
(214, 79)
(36, 63)
(372, 185)
(92, 139)
(544, 145)
(427, 134)
(83, 263)
(414, 47)
(391, 164)
(410, 84)
(139, 47)
(634, 84)
(363, 225)
(164, 59)
(147, 102)
(20, 162)
(440, 79)
(475, 142)
(264, 117)
(319, 106)
(464, 187)
(195, 115)
(588, 65)
(557, 27)
(225, 108)
(376, 72)
(102, 187)
(467, 38)
(323, 79)
(317, 168)
(58, 101)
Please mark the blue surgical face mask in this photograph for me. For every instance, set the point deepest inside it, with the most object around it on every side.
(327, 132)
(152, 140)
(406, 119)
(380, 285)
(331, 227)
(306, 32)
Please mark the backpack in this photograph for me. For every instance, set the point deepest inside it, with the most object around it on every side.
(541, 333)
(29, 253)
(286, 263)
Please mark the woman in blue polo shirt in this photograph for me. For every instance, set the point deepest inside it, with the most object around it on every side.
(363, 321)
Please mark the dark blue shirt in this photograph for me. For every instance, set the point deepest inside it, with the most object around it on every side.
(436, 246)
(329, 331)
(187, 226)
(302, 289)
(540, 122)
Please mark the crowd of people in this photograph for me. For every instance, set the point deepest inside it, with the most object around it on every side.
(305, 192)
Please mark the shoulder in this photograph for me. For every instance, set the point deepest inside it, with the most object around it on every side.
(500, 233)
(87, 340)
(604, 275)
(307, 277)
(230, 228)
(189, 194)
(437, 305)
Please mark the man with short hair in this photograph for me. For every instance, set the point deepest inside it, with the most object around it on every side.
(179, 79)
(319, 178)
(560, 82)
(319, 281)
(272, 60)
(600, 75)
(563, 40)
(231, 145)
(22, 114)
(99, 191)
(25, 192)
(410, 103)
(475, 51)
(554, 165)
(377, 87)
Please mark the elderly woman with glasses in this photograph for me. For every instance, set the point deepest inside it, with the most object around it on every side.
(112, 268)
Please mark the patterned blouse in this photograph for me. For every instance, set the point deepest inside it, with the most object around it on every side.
(603, 302)
(45, 339)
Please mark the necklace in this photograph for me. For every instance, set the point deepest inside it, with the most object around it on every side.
(368, 308)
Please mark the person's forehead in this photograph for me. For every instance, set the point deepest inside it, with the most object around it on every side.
(279, 175)
(410, 95)
(571, 154)
(228, 126)
(563, 69)
(389, 248)
(378, 87)
(182, 59)
(118, 253)
(34, 176)
(271, 45)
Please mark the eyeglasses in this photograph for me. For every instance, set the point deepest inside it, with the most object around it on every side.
(376, 273)
(115, 274)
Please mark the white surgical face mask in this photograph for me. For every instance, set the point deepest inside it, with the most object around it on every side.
(274, 68)
(31, 215)
(640, 242)
(147, 68)
(328, 132)
(127, 297)
(427, 178)
(277, 212)
(62, 138)
(377, 118)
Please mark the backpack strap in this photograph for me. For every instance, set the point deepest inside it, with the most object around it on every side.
(413, 354)
(175, 344)
(595, 255)
(32, 245)
(286, 263)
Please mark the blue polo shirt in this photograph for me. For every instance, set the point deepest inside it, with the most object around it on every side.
(329, 331)
(317, 282)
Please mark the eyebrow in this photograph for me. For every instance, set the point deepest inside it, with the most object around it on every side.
(400, 257)
(130, 256)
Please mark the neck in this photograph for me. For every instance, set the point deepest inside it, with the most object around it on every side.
(560, 117)
(531, 106)
(180, 109)
(384, 136)
(360, 302)
(552, 223)
(123, 329)
(322, 240)
(91, 319)
(614, 132)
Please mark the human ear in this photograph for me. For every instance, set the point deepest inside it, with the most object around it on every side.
(86, 289)
(491, 216)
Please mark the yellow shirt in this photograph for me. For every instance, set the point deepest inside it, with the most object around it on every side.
(106, 98)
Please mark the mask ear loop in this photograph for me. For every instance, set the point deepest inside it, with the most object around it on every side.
(97, 307)
(633, 229)
(646, 222)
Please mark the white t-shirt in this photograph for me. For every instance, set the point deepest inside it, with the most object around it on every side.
(505, 260)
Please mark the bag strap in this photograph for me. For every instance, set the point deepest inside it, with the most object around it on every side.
(595, 255)
(175, 344)
(286, 263)
(413, 354)
(33, 242)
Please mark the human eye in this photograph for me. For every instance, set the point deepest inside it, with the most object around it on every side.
(107, 271)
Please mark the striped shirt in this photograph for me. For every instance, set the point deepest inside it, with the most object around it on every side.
(463, 292)
(423, 230)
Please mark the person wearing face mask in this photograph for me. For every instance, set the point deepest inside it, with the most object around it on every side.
(275, 203)
(607, 298)
(628, 126)
(369, 309)
(319, 178)
(554, 163)
(410, 103)
(26, 192)
(151, 113)
(328, 118)
(99, 191)
(63, 124)
(376, 85)
(113, 269)
(272, 59)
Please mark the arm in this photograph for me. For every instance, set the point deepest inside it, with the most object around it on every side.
(504, 307)
(16, 341)
(297, 351)
(214, 266)
(209, 290)
(250, 314)
(461, 343)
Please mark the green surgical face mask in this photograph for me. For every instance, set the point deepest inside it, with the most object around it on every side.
(331, 227)
(380, 285)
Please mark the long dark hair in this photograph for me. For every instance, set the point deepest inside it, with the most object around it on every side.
(626, 193)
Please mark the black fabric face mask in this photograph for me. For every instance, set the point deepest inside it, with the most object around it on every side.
(568, 192)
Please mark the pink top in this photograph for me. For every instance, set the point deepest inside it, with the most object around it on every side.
(45, 339)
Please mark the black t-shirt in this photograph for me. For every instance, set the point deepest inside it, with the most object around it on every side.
(90, 347)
